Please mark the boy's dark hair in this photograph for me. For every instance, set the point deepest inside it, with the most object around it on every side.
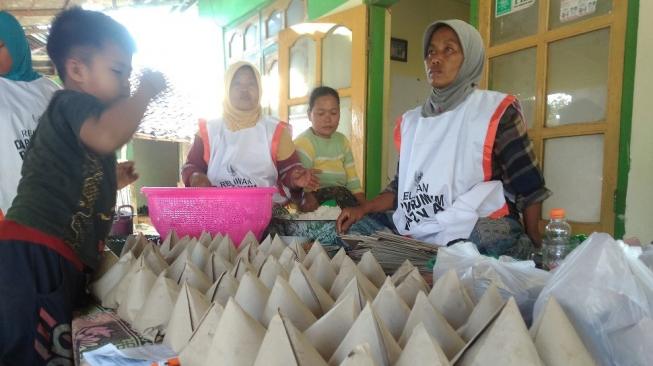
(79, 30)
(321, 91)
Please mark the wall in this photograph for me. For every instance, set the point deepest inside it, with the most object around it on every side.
(639, 199)
(157, 163)
(408, 85)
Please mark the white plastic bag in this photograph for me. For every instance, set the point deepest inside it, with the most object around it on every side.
(607, 292)
(513, 278)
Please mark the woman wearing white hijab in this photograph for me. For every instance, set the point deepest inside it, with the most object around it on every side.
(245, 148)
(466, 167)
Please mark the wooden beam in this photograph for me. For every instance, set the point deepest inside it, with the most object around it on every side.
(34, 12)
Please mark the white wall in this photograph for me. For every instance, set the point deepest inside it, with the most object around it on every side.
(639, 200)
(157, 163)
(408, 85)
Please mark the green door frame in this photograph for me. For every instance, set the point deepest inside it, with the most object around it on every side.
(628, 87)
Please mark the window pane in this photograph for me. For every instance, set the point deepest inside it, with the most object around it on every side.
(578, 79)
(345, 117)
(250, 38)
(271, 89)
(515, 23)
(514, 73)
(295, 13)
(236, 45)
(298, 119)
(336, 58)
(573, 171)
(563, 12)
(302, 67)
(274, 24)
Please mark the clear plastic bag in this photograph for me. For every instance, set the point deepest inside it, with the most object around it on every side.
(607, 293)
(513, 278)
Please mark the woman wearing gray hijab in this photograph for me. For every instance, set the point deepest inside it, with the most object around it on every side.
(466, 166)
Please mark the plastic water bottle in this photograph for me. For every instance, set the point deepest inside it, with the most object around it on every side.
(556, 239)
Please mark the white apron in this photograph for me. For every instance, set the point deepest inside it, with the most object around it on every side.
(445, 169)
(244, 158)
(21, 105)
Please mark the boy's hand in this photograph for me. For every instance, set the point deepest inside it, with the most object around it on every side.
(305, 178)
(348, 217)
(152, 83)
(126, 174)
(199, 180)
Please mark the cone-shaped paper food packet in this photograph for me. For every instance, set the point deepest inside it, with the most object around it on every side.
(226, 249)
(368, 328)
(249, 239)
(154, 259)
(114, 297)
(422, 349)
(451, 300)
(114, 275)
(265, 245)
(177, 250)
(347, 272)
(436, 325)
(189, 309)
(195, 277)
(134, 244)
(152, 319)
(309, 291)
(284, 299)
(371, 268)
(241, 267)
(298, 249)
(402, 272)
(329, 330)
(215, 265)
(205, 239)
(359, 356)
(490, 303)
(215, 243)
(259, 260)
(288, 259)
(285, 345)
(237, 339)
(410, 286)
(391, 309)
(323, 271)
(106, 262)
(252, 295)
(222, 289)
(277, 247)
(178, 265)
(136, 295)
(337, 259)
(505, 342)
(270, 270)
(197, 349)
(316, 249)
(199, 255)
(361, 296)
(169, 242)
(556, 339)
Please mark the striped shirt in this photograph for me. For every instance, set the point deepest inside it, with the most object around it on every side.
(513, 163)
(330, 155)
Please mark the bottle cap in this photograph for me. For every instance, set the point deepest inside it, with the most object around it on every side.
(557, 213)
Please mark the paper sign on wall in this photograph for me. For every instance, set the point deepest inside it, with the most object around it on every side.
(574, 9)
(505, 7)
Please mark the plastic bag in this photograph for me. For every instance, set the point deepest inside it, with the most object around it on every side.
(607, 293)
(513, 278)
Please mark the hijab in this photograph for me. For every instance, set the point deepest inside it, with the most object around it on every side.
(234, 118)
(447, 98)
(12, 34)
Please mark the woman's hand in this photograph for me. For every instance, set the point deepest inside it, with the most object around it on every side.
(309, 203)
(304, 178)
(125, 174)
(350, 216)
(199, 180)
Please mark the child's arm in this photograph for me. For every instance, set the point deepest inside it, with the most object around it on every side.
(116, 125)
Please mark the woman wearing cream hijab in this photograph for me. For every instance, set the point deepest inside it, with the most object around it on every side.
(466, 166)
(245, 148)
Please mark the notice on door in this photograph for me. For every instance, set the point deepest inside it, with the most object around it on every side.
(505, 7)
(574, 9)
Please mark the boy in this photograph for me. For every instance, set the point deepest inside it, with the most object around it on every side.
(55, 228)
